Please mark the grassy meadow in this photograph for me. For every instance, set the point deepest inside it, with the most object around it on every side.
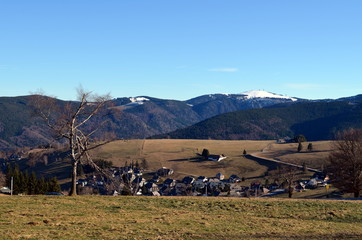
(288, 152)
(181, 156)
(107, 217)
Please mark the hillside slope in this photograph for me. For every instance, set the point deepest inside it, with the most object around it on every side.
(138, 117)
(315, 120)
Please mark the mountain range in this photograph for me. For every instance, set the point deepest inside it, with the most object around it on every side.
(248, 115)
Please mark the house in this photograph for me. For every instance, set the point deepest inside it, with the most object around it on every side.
(216, 158)
(234, 179)
(180, 189)
(188, 180)
(82, 182)
(300, 186)
(321, 177)
(140, 181)
(151, 187)
(199, 186)
(312, 183)
(163, 172)
(156, 178)
(169, 182)
(137, 172)
(202, 179)
(220, 176)
(165, 190)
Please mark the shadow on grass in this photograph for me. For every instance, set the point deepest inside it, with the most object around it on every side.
(195, 159)
(269, 164)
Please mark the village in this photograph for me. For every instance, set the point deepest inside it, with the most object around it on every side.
(131, 180)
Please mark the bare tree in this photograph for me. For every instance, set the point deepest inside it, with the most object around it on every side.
(287, 175)
(345, 161)
(73, 122)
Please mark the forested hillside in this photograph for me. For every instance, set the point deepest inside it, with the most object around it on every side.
(131, 118)
(315, 120)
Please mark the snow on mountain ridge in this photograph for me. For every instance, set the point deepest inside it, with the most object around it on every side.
(264, 94)
(137, 101)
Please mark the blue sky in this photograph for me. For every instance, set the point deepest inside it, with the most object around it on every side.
(181, 49)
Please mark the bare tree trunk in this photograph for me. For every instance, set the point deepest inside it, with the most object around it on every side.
(290, 191)
(73, 188)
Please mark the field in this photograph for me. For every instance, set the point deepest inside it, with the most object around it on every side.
(107, 217)
(181, 156)
(288, 152)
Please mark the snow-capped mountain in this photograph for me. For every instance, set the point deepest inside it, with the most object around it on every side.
(214, 104)
(264, 94)
(137, 101)
(143, 116)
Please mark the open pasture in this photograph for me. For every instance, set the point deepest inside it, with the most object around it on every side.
(288, 152)
(181, 156)
(107, 217)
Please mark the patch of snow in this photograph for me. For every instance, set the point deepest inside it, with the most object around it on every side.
(137, 101)
(264, 94)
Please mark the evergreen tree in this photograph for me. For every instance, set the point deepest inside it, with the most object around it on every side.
(16, 180)
(300, 147)
(205, 153)
(26, 182)
(22, 183)
(32, 183)
(310, 147)
(41, 186)
(54, 185)
(144, 164)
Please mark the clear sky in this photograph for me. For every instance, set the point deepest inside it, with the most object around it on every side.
(181, 49)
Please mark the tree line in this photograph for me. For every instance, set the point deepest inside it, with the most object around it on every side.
(30, 184)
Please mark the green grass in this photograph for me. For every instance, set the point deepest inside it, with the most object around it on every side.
(106, 217)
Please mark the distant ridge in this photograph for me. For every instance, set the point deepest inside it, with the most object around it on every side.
(316, 120)
(144, 116)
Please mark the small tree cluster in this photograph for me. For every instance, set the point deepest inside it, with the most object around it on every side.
(310, 147)
(136, 164)
(23, 183)
(205, 153)
(300, 138)
(300, 147)
(144, 164)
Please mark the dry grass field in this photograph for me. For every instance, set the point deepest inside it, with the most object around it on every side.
(288, 152)
(107, 217)
(181, 156)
